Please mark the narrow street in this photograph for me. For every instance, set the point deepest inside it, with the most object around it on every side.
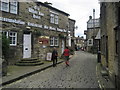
(80, 74)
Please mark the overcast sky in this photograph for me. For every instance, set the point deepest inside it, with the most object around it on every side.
(79, 10)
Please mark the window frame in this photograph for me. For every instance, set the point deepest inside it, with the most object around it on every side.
(15, 7)
(52, 40)
(13, 10)
(5, 2)
(9, 36)
(13, 36)
(55, 41)
(116, 41)
(54, 18)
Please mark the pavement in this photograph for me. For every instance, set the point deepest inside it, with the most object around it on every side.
(103, 79)
(18, 72)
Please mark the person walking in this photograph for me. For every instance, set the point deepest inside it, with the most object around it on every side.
(66, 54)
(54, 56)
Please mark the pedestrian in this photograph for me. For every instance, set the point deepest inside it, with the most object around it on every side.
(54, 56)
(66, 54)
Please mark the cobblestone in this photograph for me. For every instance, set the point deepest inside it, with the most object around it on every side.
(80, 74)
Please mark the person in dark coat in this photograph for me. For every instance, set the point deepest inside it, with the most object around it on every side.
(54, 57)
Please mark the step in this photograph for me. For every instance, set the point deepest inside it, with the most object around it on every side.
(28, 59)
(34, 61)
(29, 64)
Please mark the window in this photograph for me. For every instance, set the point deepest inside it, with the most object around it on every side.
(5, 33)
(12, 37)
(13, 7)
(54, 41)
(9, 6)
(5, 5)
(90, 41)
(53, 18)
(56, 19)
(116, 40)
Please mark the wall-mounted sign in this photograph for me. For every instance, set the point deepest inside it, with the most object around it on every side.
(36, 14)
(34, 25)
(90, 42)
(52, 28)
(12, 20)
(31, 24)
(46, 27)
(58, 29)
(43, 40)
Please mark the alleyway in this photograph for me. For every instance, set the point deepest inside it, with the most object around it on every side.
(80, 74)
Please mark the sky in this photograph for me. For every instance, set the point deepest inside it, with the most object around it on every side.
(79, 10)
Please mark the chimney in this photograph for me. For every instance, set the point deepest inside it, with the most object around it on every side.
(90, 17)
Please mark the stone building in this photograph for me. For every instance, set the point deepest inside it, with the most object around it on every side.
(110, 40)
(33, 28)
(92, 33)
(71, 33)
(80, 43)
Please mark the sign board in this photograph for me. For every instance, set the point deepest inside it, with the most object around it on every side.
(90, 42)
(43, 40)
(49, 56)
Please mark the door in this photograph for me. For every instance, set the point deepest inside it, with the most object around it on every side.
(27, 46)
(63, 46)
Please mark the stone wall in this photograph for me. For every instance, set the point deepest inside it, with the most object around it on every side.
(37, 50)
(109, 20)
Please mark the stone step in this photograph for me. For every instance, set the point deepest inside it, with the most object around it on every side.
(29, 64)
(29, 61)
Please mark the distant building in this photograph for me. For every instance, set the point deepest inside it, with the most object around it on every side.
(80, 43)
(71, 33)
(92, 34)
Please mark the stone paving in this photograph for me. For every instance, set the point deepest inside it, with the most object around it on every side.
(80, 74)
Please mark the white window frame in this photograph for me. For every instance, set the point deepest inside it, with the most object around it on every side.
(56, 19)
(56, 41)
(13, 7)
(13, 36)
(7, 5)
(8, 36)
(5, 33)
(51, 41)
(52, 18)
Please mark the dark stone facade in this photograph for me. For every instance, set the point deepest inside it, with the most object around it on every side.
(110, 40)
(23, 23)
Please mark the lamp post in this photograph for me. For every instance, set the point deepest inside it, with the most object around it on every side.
(93, 30)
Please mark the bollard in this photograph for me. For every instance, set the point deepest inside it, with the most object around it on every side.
(99, 56)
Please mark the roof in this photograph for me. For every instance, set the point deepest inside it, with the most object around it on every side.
(46, 5)
(72, 20)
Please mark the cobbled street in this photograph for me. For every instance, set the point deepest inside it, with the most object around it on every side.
(80, 74)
